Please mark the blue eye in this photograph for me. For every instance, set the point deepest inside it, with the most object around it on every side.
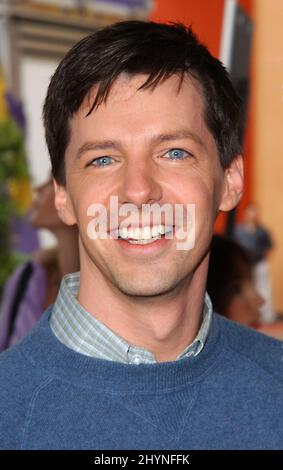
(177, 154)
(101, 161)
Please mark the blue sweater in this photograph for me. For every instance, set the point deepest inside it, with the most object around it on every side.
(228, 397)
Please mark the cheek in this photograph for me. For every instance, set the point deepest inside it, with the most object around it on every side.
(80, 200)
(91, 210)
(200, 186)
(200, 193)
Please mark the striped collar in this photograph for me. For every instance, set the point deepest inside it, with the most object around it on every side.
(82, 332)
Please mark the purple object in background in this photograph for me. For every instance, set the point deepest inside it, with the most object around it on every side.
(25, 237)
(15, 110)
(30, 308)
(127, 5)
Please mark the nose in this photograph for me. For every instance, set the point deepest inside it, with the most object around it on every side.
(140, 184)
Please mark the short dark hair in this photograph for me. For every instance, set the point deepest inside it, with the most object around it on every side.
(229, 266)
(134, 47)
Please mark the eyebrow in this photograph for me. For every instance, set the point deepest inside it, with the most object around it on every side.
(115, 144)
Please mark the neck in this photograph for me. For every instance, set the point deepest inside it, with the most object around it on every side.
(68, 252)
(164, 325)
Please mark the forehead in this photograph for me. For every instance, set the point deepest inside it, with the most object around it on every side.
(128, 89)
(133, 113)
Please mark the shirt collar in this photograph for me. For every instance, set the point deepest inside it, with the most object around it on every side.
(82, 332)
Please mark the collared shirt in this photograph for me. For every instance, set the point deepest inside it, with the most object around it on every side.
(82, 332)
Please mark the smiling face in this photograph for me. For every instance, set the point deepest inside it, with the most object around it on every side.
(145, 147)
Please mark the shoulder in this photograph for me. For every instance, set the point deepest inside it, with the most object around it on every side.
(20, 381)
(258, 351)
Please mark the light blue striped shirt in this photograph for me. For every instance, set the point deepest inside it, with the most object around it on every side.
(82, 332)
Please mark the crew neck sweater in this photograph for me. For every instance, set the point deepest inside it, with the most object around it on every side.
(228, 397)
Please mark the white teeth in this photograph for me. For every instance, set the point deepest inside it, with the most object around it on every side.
(155, 231)
(123, 232)
(145, 233)
(136, 233)
(131, 233)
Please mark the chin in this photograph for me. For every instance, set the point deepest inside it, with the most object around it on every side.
(145, 288)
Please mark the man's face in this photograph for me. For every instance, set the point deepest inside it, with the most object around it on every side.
(156, 149)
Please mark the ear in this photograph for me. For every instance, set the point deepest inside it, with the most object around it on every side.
(63, 204)
(233, 184)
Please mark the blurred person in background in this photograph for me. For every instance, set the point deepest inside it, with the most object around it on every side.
(230, 282)
(257, 240)
(34, 285)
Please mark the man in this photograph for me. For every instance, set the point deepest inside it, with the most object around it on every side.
(131, 356)
(257, 241)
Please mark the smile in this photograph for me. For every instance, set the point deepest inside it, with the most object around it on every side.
(143, 235)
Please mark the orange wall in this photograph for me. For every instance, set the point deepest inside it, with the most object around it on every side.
(205, 16)
(247, 5)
